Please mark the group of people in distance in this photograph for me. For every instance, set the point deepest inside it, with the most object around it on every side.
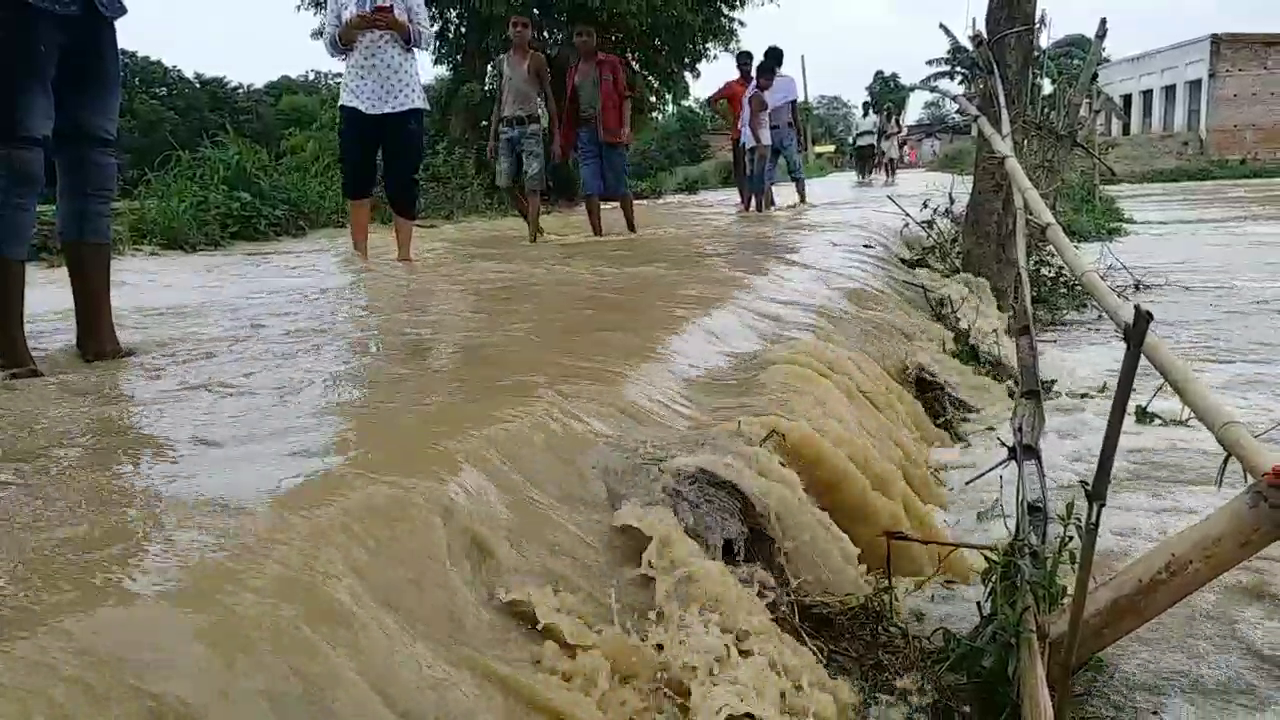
(765, 127)
(877, 142)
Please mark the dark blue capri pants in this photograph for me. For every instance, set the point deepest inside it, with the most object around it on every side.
(59, 81)
(399, 137)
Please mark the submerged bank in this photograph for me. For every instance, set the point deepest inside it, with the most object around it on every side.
(310, 491)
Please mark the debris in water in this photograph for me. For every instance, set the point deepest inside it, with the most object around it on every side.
(945, 407)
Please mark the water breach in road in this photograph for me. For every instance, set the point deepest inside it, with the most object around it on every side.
(309, 493)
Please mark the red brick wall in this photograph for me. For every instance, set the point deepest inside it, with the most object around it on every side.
(1244, 97)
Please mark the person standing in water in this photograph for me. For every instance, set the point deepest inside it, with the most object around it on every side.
(784, 125)
(890, 130)
(515, 130)
(60, 79)
(865, 130)
(380, 109)
(732, 93)
(757, 142)
(597, 126)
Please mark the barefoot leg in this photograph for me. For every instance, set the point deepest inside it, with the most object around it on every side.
(15, 357)
(361, 214)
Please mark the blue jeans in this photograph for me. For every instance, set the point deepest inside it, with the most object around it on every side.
(520, 147)
(71, 64)
(786, 144)
(602, 167)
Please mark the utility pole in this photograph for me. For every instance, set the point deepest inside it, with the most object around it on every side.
(808, 124)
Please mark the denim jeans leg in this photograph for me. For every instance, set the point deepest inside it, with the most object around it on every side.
(86, 95)
(30, 43)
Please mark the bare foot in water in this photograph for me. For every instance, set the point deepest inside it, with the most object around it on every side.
(93, 354)
(23, 373)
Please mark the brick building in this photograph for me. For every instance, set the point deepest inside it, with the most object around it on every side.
(1219, 93)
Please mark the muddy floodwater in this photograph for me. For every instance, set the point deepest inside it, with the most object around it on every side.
(306, 495)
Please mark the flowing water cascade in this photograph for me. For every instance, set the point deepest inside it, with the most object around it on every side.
(517, 479)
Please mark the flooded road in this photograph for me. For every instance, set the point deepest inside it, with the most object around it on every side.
(303, 497)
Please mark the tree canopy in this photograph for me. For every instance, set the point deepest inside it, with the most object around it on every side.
(938, 111)
(887, 88)
(831, 119)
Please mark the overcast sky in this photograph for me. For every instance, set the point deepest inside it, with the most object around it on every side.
(844, 41)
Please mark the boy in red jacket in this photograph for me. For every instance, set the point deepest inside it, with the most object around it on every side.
(597, 126)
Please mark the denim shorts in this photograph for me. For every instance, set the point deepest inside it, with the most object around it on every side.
(520, 147)
(786, 144)
(602, 166)
(69, 63)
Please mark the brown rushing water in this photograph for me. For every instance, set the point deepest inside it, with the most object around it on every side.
(303, 496)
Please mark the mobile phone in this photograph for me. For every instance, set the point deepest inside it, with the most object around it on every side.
(383, 8)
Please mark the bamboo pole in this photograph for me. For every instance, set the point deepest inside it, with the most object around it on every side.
(1184, 563)
(1033, 684)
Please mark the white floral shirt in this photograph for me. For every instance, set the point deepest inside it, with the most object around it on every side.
(382, 71)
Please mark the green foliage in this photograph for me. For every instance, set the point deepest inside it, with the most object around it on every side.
(956, 158)
(233, 190)
(830, 120)
(986, 658)
(958, 66)
(938, 110)
(1055, 293)
(1205, 170)
(163, 110)
(675, 140)
(887, 88)
(1086, 213)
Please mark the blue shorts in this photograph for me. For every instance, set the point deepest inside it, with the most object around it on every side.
(787, 146)
(602, 167)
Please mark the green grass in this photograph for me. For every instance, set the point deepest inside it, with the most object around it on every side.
(1203, 170)
(956, 159)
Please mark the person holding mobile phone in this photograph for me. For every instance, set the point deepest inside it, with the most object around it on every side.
(380, 109)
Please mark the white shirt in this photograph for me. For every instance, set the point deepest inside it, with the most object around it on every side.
(779, 96)
(382, 72)
(865, 129)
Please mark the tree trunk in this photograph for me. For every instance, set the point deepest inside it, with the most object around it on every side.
(988, 249)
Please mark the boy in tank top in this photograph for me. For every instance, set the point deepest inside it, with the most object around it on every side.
(515, 130)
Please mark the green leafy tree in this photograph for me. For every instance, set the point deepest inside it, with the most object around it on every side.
(886, 88)
(959, 65)
(830, 119)
(938, 111)
(676, 139)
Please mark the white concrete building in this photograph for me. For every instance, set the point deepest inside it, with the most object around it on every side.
(1165, 90)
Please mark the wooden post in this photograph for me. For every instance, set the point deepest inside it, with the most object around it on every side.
(808, 123)
(1184, 563)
